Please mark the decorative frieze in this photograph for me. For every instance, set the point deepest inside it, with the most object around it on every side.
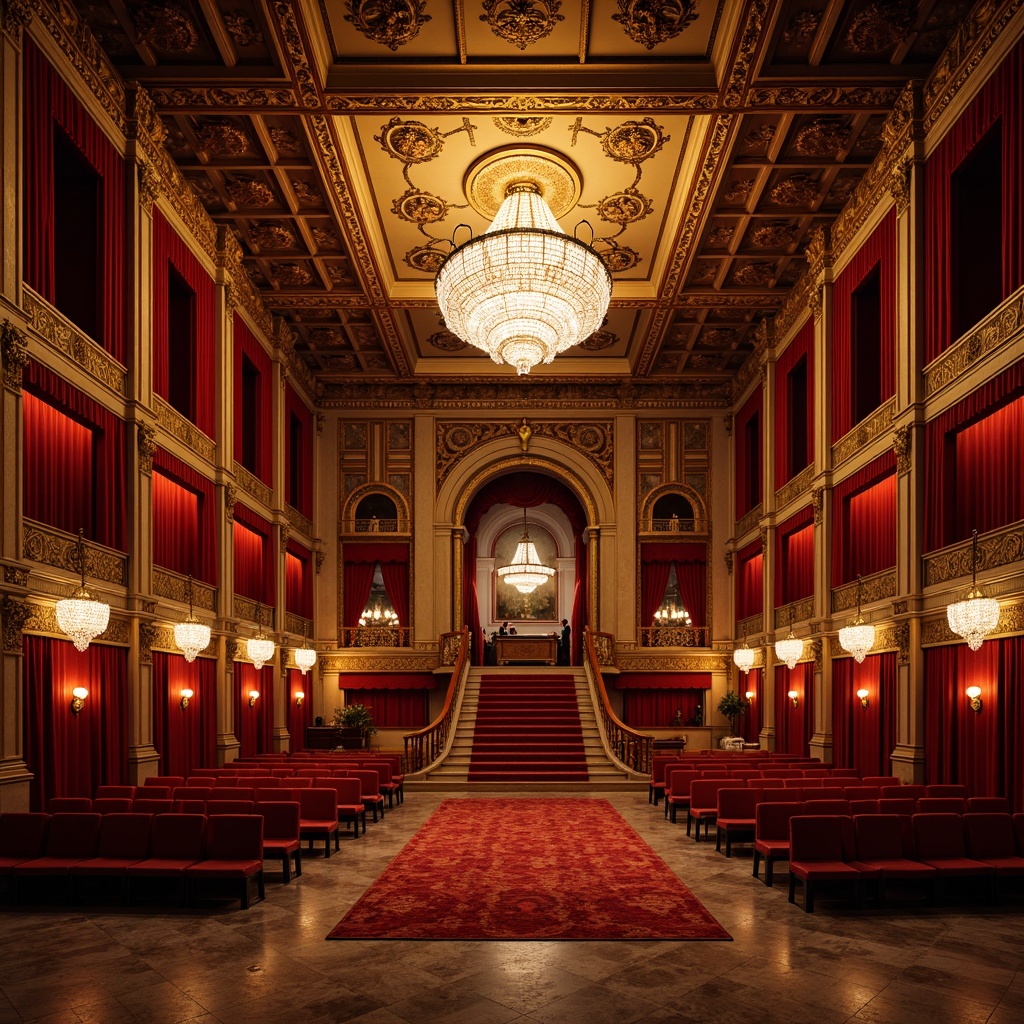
(802, 610)
(16, 575)
(253, 486)
(1000, 547)
(246, 609)
(394, 662)
(187, 433)
(630, 662)
(750, 520)
(751, 625)
(60, 550)
(877, 587)
(795, 487)
(864, 432)
(899, 183)
(43, 619)
(298, 522)
(173, 586)
(14, 351)
(295, 624)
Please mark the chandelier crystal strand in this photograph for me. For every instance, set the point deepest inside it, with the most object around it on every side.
(305, 657)
(191, 635)
(80, 616)
(524, 290)
(526, 572)
(976, 615)
(259, 647)
(790, 649)
(743, 657)
(858, 637)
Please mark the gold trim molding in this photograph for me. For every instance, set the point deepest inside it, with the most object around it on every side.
(182, 430)
(998, 548)
(791, 490)
(864, 432)
(630, 662)
(55, 548)
(340, 663)
(877, 587)
(253, 486)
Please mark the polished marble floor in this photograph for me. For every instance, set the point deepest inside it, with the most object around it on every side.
(270, 965)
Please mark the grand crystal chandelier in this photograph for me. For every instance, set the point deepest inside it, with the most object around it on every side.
(191, 635)
(976, 615)
(80, 616)
(525, 572)
(524, 290)
(305, 657)
(790, 649)
(260, 648)
(743, 657)
(858, 636)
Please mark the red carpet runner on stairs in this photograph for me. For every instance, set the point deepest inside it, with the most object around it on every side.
(528, 730)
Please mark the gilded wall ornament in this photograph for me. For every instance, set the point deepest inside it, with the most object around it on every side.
(728, 561)
(185, 431)
(272, 236)
(818, 504)
(53, 547)
(242, 30)
(147, 446)
(230, 500)
(650, 22)
(814, 302)
(738, 190)
(425, 258)
(618, 258)
(795, 190)
(879, 27)
(899, 183)
(633, 142)
(902, 445)
(412, 142)
(149, 184)
(14, 349)
(625, 207)
(522, 127)
(249, 192)
(147, 639)
(16, 15)
(16, 614)
(758, 138)
(222, 138)
(824, 136)
(521, 22)
(418, 207)
(392, 23)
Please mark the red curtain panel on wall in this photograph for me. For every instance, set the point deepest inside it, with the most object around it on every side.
(298, 456)
(260, 429)
(393, 709)
(864, 737)
(786, 408)
(752, 681)
(794, 573)
(747, 446)
(185, 737)
(171, 253)
(749, 568)
(300, 716)
(864, 521)
(255, 576)
(794, 726)
(298, 580)
(653, 699)
(360, 560)
(50, 105)
(180, 542)
(656, 563)
(68, 754)
(254, 726)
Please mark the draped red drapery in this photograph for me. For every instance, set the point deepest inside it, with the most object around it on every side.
(878, 251)
(747, 434)
(690, 562)
(394, 709)
(51, 474)
(171, 253)
(652, 709)
(864, 521)
(800, 347)
(50, 105)
(300, 716)
(794, 576)
(298, 457)
(360, 561)
(254, 726)
(794, 726)
(749, 576)
(184, 528)
(67, 754)
(255, 575)
(864, 737)
(185, 737)
(298, 579)
(260, 430)
(754, 682)
(1000, 103)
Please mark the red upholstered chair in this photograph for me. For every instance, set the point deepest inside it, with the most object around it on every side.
(941, 805)
(825, 806)
(299, 782)
(318, 816)
(72, 838)
(947, 789)
(124, 840)
(192, 792)
(795, 782)
(782, 773)
(144, 805)
(989, 838)
(838, 782)
(880, 780)
(703, 807)
(862, 792)
(112, 804)
(864, 806)
(389, 785)
(22, 838)
(369, 785)
(844, 773)
(397, 775)
(816, 773)
(351, 808)
(281, 839)
(781, 796)
(228, 807)
(745, 774)
(897, 805)
(882, 842)
(175, 844)
(232, 793)
(735, 818)
(310, 773)
(657, 784)
(201, 781)
(988, 805)
(158, 792)
(114, 791)
(912, 790)
(68, 805)
(282, 773)
(820, 850)
(677, 790)
(233, 851)
(939, 841)
(189, 806)
(164, 780)
(267, 782)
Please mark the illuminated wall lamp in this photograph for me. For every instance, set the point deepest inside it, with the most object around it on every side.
(299, 698)
(974, 697)
(254, 695)
(750, 694)
(78, 695)
(186, 696)
(794, 697)
(862, 695)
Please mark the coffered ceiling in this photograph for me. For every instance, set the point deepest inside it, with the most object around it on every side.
(710, 137)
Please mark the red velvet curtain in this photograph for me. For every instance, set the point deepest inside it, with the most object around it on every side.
(302, 498)
(254, 726)
(394, 709)
(247, 344)
(653, 580)
(185, 737)
(49, 103)
(653, 709)
(749, 567)
(395, 574)
(754, 682)
(748, 449)
(794, 726)
(299, 717)
(184, 534)
(67, 754)
(49, 468)
(255, 575)
(864, 737)
(360, 560)
(171, 252)
(994, 439)
(794, 575)
(298, 580)
(690, 562)
(864, 521)
(1000, 99)
(802, 345)
(879, 250)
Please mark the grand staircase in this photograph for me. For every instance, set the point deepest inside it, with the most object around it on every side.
(527, 728)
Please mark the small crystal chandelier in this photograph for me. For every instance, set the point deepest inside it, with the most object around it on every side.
(524, 290)
(81, 617)
(743, 657)
(305, 657)
(526, 572)
(790, 649)
(976, 615)
(191, 635)
(858, 637)
(260, 648)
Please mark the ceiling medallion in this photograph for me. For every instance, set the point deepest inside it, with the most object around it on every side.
(521, 22)
(824, 136)
(632, 142)
(419, 207)
(166, 27)
(522, 127)
(599, 341)
(488, 179)
(446, 341)
(425, 258)
(625, 207)
(649, 22)
(879, 27)
(390, 22)
(222, 139)
(795, 190)
(618, 258)
(412, 142)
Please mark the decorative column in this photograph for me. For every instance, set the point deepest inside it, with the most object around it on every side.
(767, 736)
(458, 569)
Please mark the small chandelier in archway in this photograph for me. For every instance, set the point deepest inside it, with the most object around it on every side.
(525, 572)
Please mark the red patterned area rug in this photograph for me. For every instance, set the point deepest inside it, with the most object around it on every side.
(527, 869)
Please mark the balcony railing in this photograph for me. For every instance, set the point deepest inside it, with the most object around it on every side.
(376, 636)
(375, 525)
(679, 525)
(675, 636)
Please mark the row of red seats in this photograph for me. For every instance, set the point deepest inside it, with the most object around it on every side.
(723, 767)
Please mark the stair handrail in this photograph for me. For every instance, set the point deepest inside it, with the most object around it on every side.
(632, 749)
(430, 744)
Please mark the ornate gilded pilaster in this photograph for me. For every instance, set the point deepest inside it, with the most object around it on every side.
(230, 498)
(818, 503)
(16, 613)
(14, 350)
(458, 564)
(902, 443)
(728, 562)
(147, 447)
(593, 533)
(147, 638)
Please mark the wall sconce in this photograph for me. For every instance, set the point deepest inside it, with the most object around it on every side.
(862, 695)
(299, 698)
(794, 697)
(750, 695)
(974, 697)
(78, 695)
(186, 696)
(254, 695)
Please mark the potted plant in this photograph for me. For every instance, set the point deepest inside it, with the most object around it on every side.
(354, 723)
(731, 706)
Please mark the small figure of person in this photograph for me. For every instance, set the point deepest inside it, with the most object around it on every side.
(374, 524)
(512, 631)
(503, 631)
(564, 654)
(674, 522)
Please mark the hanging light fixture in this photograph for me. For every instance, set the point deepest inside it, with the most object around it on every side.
(305, 657)
(191, 635)
(259, 647)
(524, 290)
(790, 649)
(976, 615)
(526, 572)
(743, 657)
(858, 636)
(80, 616)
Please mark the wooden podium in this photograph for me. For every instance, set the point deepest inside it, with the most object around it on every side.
(540, 649)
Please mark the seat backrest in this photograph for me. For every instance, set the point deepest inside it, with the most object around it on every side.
(816, 837)
(280, 819)
(865, 807)
(300, 782)
(947, 789)
(816, 773)
(103, 792)
(837, 782)
(165, 780)
(232, 793)
(310, 772)
(1018, 832)
(192, 792)
(348, 788)
(125, 835)
(658, 763)
(382, 768)
(234, 837)
(879, 836)
(263, 794)
(913, 790)
(321, 804)
(781, 796)
(189, 806)
(678, 780)
(158, 792)
(177, 836)
(880, 780)
(771, 821)
(146, 805)
(704, 792)
(68, 805)
(938, 836)
(23, 834)
(988, 834)
(737, 803)
(369, 781)
(795, 782)
(112, 804)
(897, 805)
(862, 792)
(73, 835)
(745, 774)
(228, 807)
(826, 806)
(201, 781)
(941, 805)
(844, 773)
(988, 805)
(782, 773)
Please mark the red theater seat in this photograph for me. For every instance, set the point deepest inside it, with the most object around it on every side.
(319, 816)
(112, 805)
(103, 792)
(735, 819)
(820, 850)
(703, 807)
(68, 805)
(169, 781)
(281, 839)
(369, 785)
(988, 805)
(834, 805)
(677, 790)
(72, 838)
(881, 844)
(771, 835)
(941, 805)
(124, 840)
(945, 789)
(22, 838)
(939, 841)
(176, 843)
(144, 805)
(989, 838)
(232, 851)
